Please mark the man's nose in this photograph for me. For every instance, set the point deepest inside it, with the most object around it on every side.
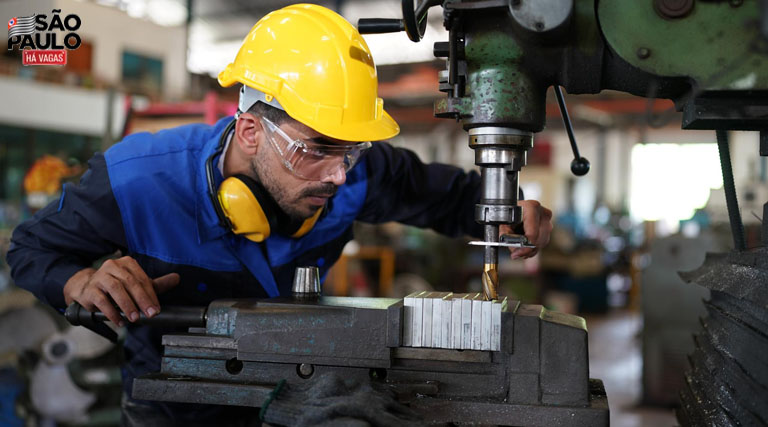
(337, 177)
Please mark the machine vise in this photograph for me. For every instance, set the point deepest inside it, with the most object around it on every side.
(539, 376)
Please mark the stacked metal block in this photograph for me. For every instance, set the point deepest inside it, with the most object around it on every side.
(454, 321)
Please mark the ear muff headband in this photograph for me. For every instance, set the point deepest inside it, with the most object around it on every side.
(223, 221)
(245, 207)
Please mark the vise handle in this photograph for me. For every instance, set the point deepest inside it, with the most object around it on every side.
(191, 317)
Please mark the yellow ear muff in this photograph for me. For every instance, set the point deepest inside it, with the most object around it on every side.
(243, 210)
(308, 224)
(240, 204)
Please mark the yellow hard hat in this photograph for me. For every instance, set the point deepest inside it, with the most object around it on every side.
(320, 70)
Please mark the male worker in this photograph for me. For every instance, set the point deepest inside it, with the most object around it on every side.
(207, 212)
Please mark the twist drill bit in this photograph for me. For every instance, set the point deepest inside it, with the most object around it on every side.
(490, 282)
(490, 277)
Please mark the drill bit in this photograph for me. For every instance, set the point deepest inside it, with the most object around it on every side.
(490, 282)
(490, 279)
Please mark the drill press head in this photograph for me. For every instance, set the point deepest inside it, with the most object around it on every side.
(500, 152)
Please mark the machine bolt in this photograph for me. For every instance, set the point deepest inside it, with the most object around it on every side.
(378, 374)
(59, 349)
(234, 366)
(643, 53)
(305, 370)
(673, 9)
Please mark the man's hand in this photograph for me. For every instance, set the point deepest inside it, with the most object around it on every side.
(122, 281)
(537, 224)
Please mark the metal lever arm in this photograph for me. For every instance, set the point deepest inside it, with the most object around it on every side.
(380, 25)
(579, 165)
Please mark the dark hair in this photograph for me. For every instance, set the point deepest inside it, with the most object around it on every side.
(274, 115)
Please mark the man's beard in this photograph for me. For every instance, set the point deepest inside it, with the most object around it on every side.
(322, 189)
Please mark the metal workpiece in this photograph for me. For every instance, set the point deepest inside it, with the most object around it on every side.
(452, 321)
(535, 375)
(306, 283)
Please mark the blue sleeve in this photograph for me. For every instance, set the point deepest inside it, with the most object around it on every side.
(404, 189)
(67, 236)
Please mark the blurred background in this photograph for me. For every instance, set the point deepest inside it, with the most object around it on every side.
(652, 204)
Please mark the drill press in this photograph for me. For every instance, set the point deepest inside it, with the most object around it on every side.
(497, 97)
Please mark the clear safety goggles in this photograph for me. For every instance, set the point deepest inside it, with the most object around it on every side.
(308, 159)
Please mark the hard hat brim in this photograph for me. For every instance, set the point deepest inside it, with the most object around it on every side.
(375, 130)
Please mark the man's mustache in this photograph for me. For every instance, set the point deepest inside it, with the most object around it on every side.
(323, 190)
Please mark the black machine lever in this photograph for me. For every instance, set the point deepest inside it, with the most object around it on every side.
(76, 315)
(579, 165)
(414, 21)
(380, 25)
(190, 317)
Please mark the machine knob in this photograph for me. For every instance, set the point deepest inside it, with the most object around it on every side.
(306, 283)
(441, 49)
(580, 166)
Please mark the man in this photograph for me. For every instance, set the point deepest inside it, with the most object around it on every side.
(206, 212)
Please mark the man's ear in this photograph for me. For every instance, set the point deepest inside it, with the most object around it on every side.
(248, 133)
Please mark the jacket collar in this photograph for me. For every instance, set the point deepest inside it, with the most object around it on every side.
(208, 225)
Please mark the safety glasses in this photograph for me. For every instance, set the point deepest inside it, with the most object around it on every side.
(308, 159)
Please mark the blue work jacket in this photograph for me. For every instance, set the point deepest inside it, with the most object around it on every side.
(147, 198)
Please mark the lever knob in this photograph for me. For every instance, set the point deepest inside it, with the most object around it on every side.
(580, 166)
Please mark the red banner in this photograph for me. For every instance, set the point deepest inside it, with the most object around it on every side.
(44, 57)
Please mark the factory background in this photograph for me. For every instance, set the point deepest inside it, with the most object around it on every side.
(652, 204)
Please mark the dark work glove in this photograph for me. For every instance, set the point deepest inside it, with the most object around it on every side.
(333, 401)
